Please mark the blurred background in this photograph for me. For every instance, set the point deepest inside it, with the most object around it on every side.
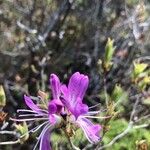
(40, 37)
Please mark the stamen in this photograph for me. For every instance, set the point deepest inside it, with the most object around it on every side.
(29, 119)
(94, 106)
(26, 110)
(34, 129)
(45, 128)
(28, 115)
(93, 112)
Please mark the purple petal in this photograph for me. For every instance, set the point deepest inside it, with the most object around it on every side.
(77, 86)
(90, 130)
(44, 141)
(73, 95)
(79, 108)
(52, 108)
(54, 119)
(64, 91)
(55, 106)
(31, 104)
(55, 86)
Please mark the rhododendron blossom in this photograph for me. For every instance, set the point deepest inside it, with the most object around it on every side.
(66, 101)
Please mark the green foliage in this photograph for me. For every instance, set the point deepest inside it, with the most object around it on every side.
(119, 94)
(140, 75)
(132, 2)
(128, 142)
(77, 139)
(109, 50)
(138, 70)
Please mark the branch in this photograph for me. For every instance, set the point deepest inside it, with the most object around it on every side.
(24, 27)
(54, 19)
(130, 126)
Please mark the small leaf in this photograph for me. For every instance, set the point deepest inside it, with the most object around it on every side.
(109, 51)
(138, 69)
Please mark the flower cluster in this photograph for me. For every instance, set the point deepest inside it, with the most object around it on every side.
(65, 107)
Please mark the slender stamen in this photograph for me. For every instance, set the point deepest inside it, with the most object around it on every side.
(93, 112)
(29, 119)
(34, 129)
(28, 115)
(94, 106)
(45, 128)
(26, 110)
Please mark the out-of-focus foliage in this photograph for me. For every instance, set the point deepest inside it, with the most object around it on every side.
(129, 141)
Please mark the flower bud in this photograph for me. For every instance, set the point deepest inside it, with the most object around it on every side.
(139, 69)
(2, 97)
(43, 95)
(109, 51)
(23, 130)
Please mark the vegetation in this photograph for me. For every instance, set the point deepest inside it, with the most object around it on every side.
(107, 40)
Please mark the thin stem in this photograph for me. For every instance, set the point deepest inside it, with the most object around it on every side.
(105, 90)
(32, 115)
(98, 117)
(118, 136)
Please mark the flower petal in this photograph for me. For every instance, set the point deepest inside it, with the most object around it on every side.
(77, 86)
(90, 130)
(52, 108)
(54, 119)
(64, 91)
(55, 86)
(73, 95)
(31, 104)
(55, 106)
(79, 108)
(44, 141)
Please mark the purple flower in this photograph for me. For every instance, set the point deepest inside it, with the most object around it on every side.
(72, 99)
(66, 103)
